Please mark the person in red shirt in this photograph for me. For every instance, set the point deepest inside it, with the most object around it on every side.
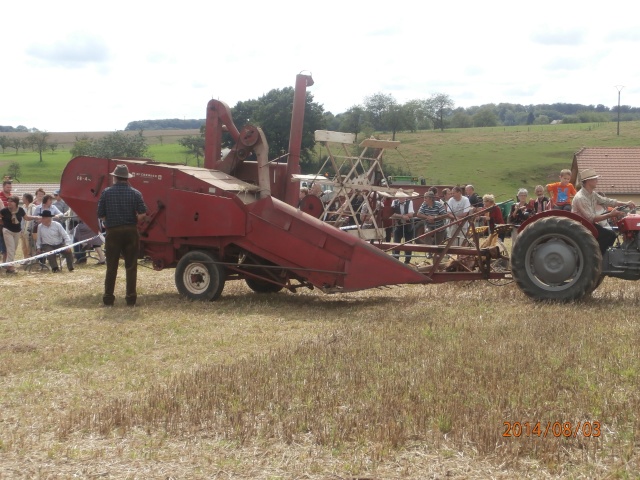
(5, 193)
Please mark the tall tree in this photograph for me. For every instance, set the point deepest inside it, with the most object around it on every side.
(377, 106)
(440, 105)
(395, 118)
(415, 114)
(485, 117)
(353, 120)
(16, 143)
(39, 142)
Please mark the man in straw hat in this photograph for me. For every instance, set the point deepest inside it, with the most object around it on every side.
(403, 214)
(121, 207)
(586, 201)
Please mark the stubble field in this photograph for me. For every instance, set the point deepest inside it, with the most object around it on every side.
(406, 382)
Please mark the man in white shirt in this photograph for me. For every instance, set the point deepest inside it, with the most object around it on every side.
(459, 207)
(586, 203)
(51, 236)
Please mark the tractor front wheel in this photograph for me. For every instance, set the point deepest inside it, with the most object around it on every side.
(556, 258)
(199, 277)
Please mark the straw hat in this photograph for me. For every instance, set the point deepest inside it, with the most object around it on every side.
(121, 171)
(588, 174)
(401, 194)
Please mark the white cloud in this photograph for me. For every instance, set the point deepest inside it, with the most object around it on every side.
(143, 60)
(75, 50)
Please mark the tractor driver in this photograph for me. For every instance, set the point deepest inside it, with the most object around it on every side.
(585, 204)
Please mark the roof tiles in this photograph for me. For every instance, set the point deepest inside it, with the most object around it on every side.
(619, 168)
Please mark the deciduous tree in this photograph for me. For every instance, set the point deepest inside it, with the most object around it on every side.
(16, 143)
(38, 141)
(439, 106)
(353, 120)
(116, 144)
(194, 145)
(485, 117)
(376, 106)
(14, 170)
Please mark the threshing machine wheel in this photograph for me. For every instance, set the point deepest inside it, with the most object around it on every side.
(556, 258)
(198, 277)
(260, 286)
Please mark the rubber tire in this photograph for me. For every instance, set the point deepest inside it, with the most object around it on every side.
(574, 238)
(598, 283)
(199, 263)
(260, 286)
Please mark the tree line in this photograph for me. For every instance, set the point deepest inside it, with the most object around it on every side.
(379, 112)
(37, 141)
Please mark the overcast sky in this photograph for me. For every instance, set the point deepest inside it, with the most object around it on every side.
(96, 66)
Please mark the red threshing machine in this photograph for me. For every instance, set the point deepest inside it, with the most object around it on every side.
(236, 218)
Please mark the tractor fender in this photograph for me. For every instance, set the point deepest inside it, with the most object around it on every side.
(560, 213)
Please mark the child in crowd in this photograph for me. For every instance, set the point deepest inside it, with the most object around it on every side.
(561, 193)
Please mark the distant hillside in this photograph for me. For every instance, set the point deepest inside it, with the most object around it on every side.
(166, 124)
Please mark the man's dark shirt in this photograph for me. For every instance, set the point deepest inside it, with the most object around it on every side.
(475, 200)
(120, 204)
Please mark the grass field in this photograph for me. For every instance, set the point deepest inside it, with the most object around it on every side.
(163, 147)
(502, 159)
(408, 382)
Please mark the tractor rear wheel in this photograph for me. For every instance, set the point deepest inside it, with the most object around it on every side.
(261, 286)
(556, 258)
(198, 277)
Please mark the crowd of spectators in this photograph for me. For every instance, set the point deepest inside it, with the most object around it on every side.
(447, 206)
(40, 223)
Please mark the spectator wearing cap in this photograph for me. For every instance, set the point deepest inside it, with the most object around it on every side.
(51, 236)
(120, 208)
(434, 214)
(403, 214)
(586, 203)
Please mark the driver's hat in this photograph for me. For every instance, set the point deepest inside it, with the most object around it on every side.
(588, 174)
